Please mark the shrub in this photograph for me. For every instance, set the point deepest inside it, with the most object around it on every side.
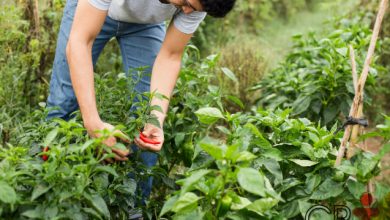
(315, 80)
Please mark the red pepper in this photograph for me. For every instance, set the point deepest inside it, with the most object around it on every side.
(45, 157)
(366, 199)
(146, 140)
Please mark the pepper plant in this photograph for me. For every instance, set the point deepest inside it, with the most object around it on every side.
(269, 167)
(315, 80)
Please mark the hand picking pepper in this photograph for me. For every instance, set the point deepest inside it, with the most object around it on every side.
(45, 157)
(147, 140)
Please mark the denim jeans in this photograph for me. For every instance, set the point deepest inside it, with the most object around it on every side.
(139, 45)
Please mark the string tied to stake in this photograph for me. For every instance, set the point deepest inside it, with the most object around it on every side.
(352, 121)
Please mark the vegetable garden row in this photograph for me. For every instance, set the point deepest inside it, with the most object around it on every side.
(275, 161)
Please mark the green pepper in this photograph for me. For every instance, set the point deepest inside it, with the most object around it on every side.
(339, 176)
(226, 202)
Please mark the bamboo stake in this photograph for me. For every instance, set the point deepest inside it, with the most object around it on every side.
(36, 17)
(358, 100)
(353, 64)
(356, 129)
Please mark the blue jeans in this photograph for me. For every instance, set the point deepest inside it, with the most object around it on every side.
(139, 45)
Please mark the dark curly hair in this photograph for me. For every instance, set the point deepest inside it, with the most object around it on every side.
(217, 8)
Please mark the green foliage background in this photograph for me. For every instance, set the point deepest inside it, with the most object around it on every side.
(227, 121)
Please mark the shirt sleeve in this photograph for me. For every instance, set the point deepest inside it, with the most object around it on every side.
(188, 23)
(100, 4)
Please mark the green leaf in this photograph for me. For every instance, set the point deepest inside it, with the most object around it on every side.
(229, 74)
(240, 203)
(290, 209)
(92, 213)
(187, 201)
(193, 214)
(330, 113)
(251, 180)
(51, 212)
(50, 137)
(156, 108)
(168, 205)
(328, 189)
(223, 130)
(304, 163)
(260, 206)
(87, 144)
(273, 153)
(7, 193)
(301, 104)
(245, 156)
(33, 214)
(128, 186)
(347, 168)
(191, 180)
(342, 51)
(209, 115)
(232, 151)
(98, 203)
(273, 167)
(236, 100)
(214, 151)
(120, 146)
(271, 191)
(312, 181)
(106, 169)
(39, 190)
(304, 206)
(356, 188)
(367, 165)
(154, 121)
(260, 139)
(179, 138)
(121, 136)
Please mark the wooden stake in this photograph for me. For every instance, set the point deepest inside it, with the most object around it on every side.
(36, 17)
(358, 100)
(353, 65)
(356, 128)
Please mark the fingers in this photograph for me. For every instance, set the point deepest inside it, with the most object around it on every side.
(119, 158)
(116, 158)
(146, 146)
(121, 153)
(109, 160)
(110, 142)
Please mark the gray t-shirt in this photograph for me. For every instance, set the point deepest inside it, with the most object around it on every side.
(149, 12)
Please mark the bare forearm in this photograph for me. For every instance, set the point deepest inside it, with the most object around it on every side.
(165, 72)
(81, 72)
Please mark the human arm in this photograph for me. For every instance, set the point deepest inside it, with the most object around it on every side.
(164, 76)
(87, 23)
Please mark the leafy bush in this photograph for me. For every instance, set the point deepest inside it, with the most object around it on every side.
(315, 80)
(242, 69)
(73, 183)
(27, 50)
(271, 167)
